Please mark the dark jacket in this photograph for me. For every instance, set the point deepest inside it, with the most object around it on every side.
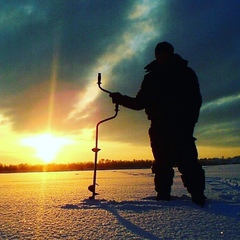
(169, 93)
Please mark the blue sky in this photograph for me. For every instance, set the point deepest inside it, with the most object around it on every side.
(52, 51)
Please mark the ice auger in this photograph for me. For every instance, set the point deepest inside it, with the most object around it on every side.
(92, 188)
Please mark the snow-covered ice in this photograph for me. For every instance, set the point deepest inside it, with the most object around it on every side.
(56, 206)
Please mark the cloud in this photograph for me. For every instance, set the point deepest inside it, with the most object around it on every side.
(36, 30)
(220, 122)
(36, 33)
(135, 37)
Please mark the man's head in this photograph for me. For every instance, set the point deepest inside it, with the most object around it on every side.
(163, 52)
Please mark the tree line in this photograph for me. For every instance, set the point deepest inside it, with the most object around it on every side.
(103, 164)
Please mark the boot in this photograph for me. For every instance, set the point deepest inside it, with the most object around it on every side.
(163, 197)
(198, 198)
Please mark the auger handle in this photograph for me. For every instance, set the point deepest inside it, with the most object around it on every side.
(99, 83)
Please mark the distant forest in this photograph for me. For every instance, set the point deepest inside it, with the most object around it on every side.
(103, 164)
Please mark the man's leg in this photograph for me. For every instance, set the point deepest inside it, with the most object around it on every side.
(163, 180)
(193, 175)
(162, 166)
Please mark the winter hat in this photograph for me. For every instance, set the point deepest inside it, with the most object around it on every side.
(164, 47)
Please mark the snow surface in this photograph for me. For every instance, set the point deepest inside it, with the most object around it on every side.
(56, 206)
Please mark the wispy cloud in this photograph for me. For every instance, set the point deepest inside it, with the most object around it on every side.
(222, 102)
(136, 35)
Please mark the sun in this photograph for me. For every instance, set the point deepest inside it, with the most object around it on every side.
(46, 145)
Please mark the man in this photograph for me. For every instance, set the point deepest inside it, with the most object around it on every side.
(171, 98)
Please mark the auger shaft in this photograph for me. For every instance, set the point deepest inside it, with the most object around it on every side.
(92, 187)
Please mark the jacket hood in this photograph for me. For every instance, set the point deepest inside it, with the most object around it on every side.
(175, 61)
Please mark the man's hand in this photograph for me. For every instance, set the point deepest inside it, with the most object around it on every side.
(116, 97)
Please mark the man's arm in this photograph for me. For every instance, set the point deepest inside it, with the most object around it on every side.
(126, 101)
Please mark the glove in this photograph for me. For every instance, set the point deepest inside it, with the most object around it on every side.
(116, 97)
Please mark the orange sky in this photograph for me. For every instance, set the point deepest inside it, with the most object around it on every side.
(44, 148)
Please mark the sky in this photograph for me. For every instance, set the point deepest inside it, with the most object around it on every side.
(52, 52)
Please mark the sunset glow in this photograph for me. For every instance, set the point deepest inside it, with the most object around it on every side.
(46, 145)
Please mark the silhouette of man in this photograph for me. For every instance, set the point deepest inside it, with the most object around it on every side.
(171, 98)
